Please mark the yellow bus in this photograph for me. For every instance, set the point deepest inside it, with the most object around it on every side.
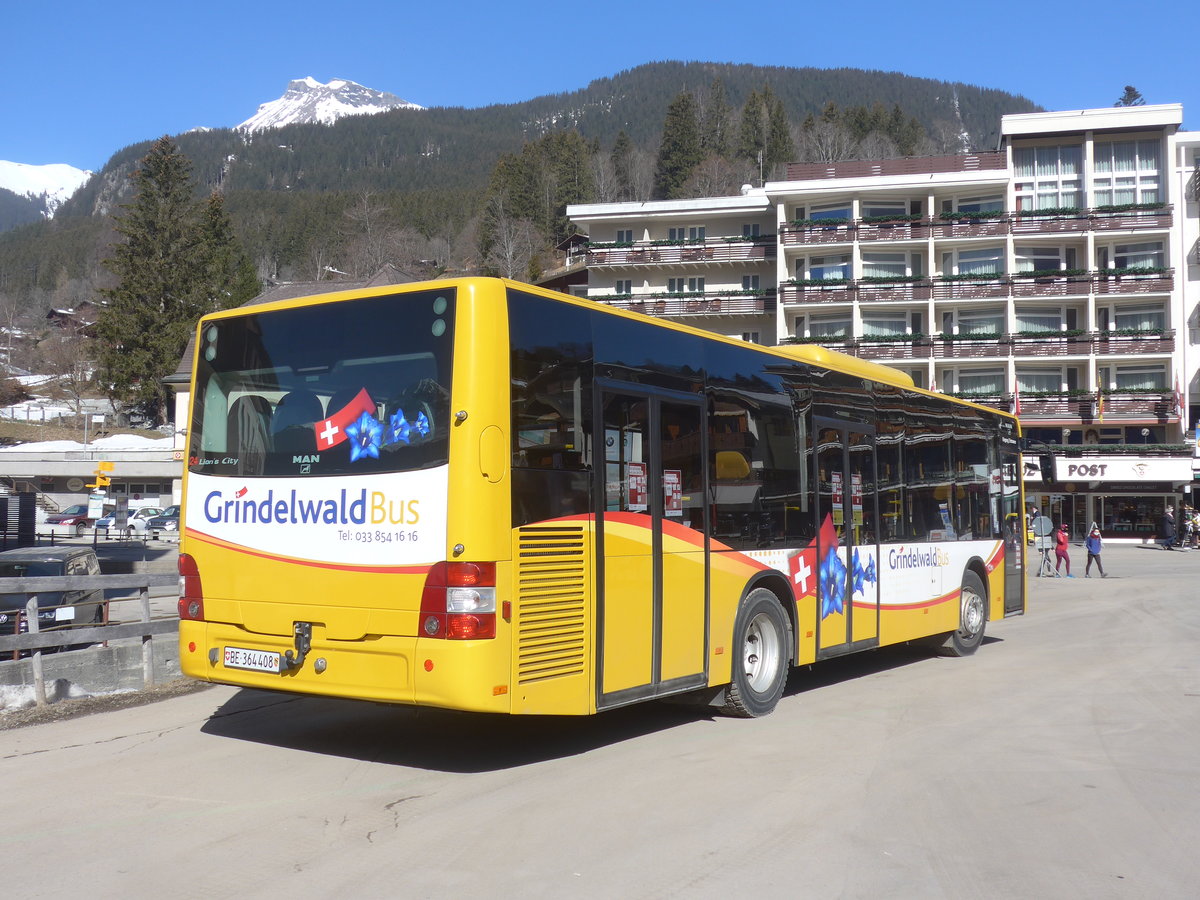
(479, 495)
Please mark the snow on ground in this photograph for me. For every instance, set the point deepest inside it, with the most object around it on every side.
(21, 696)
(111, 442)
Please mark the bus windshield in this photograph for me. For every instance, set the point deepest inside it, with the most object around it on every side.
(332, 389)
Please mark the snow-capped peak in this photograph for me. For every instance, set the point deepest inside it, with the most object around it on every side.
(50, 186)
(309, 101)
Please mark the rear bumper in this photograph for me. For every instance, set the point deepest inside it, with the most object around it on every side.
(466, 675)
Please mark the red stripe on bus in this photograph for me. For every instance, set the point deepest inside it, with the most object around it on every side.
(313, 564)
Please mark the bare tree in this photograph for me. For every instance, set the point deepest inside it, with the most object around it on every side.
(513, 240)
(876, 145)
(825, 142)
(368, 235)
(717, 176)
(68, 356)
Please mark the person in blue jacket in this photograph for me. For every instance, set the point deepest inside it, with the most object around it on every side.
(1094, 545)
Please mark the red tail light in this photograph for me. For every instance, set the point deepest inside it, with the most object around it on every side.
(459, 601)
(191, 594)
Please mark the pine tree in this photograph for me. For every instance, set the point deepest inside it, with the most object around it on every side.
(679, 153)
(1131, 97)
(714, 121)
(752, 131)
(229, 272)
(779, 148)
(622, 160)
(173, 266)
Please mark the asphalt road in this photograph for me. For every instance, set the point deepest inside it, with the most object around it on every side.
(1063, 760)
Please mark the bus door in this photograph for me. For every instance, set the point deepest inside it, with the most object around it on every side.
(847, 539)
(650, 547)
(1015, 545)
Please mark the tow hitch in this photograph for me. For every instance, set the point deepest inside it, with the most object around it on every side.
(303, 641)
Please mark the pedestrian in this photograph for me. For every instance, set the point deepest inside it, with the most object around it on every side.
(1094, 545)
(1061, 554)
(1166, 533)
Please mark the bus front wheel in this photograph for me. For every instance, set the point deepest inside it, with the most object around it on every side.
(761, 654)
(973, 618)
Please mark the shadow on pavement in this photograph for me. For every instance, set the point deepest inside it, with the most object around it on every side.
(448, 741)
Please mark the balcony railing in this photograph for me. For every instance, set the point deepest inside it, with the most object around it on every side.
(1084, 408)
(1006, 346)
(969, 225)
(708, 303)
(711, 251)
(1155, 281)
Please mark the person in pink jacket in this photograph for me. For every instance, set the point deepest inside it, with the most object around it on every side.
(1061, 552)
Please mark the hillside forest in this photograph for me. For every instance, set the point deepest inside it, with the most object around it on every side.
(453, 190)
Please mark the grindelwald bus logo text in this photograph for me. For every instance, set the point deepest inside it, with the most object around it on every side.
(915, 558)
(293, 508)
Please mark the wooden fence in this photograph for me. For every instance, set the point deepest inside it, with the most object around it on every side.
(36, 640)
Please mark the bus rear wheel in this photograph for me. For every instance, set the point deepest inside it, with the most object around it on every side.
(973, 618)
(761, 654)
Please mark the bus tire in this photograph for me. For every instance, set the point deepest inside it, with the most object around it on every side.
(761, 655)
(972, 618)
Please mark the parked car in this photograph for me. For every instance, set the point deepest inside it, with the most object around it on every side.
(74, 519)
(165, 525)
(135, 522)
(56, 609)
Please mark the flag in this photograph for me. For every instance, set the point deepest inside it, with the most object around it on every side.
(1017, 400)
(332, 431)
(1099, 401)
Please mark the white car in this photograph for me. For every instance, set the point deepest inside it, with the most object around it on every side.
(135, 523)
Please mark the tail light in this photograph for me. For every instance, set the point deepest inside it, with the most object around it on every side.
(459, 601)
(191, 594)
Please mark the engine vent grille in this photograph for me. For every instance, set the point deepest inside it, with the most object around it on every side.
(551, 608)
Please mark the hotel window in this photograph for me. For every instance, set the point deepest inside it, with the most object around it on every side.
(834, 328)
(693, 234)
(981, 381)
(879, 325)
(685, 285)
(974, 204)
(1140, 378)
(1140, 318)
(1146, 255)
(1048, 177)
(750, 231)
(695, 285)
(825, 267)
(891, 265)
(750, 282)
(840, 211)
(1039, 318)
(983, 261)
(751, 337)
(623, 286)
(1045, 259)
(624, 235)
(1047, 381)
(870, 209)
(981, 322)
(1125, 172)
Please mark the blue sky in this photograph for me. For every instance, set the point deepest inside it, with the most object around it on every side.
(85, 79)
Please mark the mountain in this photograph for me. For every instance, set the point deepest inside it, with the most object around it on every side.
(28, 193)
(308, 101)
(296, 192)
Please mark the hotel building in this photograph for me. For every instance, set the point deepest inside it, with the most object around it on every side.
(1056, 276)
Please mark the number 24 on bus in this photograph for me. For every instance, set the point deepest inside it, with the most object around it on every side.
(479, 495)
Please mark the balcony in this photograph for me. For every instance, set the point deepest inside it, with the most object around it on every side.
(729, 250)
(1134, 281)
(708, 303)
(1082, 407)
(1081, 344)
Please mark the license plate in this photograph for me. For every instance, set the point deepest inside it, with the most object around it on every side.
(254, 660)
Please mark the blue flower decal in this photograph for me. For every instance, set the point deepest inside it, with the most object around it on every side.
(402, 431)
(365, 435)
(421, 426)
(862, 575)
(398, 429)
(832, 583)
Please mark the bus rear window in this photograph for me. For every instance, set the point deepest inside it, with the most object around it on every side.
(335, 388)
